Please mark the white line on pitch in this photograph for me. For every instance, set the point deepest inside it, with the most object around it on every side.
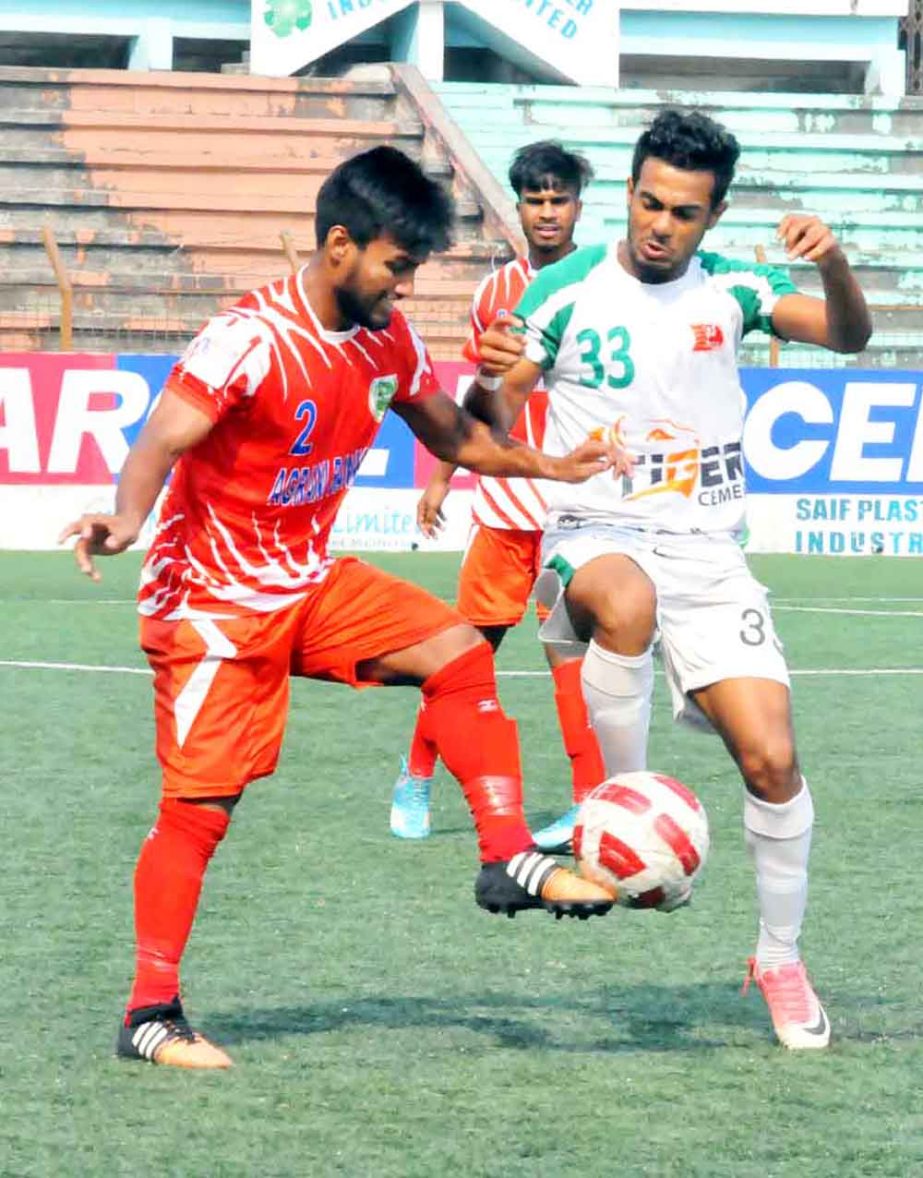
(805, 671)
(860, 613)
(32, 666)
(815, 600)
(832, 671)
(68, 601)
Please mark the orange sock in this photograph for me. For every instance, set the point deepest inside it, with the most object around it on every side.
(580, 743)
(168, 880)
(421, 760)
(480, 747)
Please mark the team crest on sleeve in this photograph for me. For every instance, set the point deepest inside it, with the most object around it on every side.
(381, 394)
(216, 351)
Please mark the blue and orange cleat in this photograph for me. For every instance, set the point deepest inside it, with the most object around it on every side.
(410, 805)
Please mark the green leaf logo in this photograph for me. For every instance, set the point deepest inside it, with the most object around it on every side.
(381, 391)
(284, 16)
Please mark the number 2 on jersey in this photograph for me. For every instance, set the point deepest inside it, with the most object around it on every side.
(623, 368)
(302, 446)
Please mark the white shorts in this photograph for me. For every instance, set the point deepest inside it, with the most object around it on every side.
(712, 613)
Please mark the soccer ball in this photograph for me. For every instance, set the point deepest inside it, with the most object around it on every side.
(644, 837)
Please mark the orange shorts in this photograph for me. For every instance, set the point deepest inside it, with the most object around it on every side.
(221, 686)
(498, 571)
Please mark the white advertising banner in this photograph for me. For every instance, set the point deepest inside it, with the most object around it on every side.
(834, 459)
(579, 39)
(288, 34)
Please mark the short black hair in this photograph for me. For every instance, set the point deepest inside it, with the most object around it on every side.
(691, 141)
(548, 164)
(383, 191)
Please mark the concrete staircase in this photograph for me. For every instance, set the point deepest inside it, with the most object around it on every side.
(167, 194)
(856, 161)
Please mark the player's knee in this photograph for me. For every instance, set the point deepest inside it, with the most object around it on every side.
(458, 640)
(770, 769)
(620, 613)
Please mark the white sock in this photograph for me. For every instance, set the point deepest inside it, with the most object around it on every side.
(778, 838)
(617, 689)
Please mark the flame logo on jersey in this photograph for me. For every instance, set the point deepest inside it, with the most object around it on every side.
(708, 337)
(612, 435)
(676, 469)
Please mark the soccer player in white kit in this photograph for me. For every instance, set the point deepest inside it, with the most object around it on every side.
(638, 341)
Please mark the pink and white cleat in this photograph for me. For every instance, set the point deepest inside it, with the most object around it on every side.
(799, 1020)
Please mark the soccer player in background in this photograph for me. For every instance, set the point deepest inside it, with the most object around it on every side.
(639, 340)
(264, 422)
(503, 555)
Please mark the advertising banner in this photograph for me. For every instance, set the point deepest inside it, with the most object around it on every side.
(288, 34)
(834, 459)
(578, 39)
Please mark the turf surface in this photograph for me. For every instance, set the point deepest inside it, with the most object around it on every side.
(383, 1025)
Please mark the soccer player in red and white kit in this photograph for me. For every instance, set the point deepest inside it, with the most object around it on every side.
(503, 556)
(264, 422)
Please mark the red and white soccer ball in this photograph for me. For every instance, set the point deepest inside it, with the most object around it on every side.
(644, 837)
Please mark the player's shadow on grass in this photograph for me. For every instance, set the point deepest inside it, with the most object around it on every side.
(638, 1018)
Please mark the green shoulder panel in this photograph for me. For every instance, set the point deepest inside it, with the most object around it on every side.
(547, 301)
(568, 272)
(753, 285)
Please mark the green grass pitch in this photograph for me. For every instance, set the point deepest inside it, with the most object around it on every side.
(381, 1024)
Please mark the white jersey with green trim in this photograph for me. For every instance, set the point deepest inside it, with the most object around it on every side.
(658, 363)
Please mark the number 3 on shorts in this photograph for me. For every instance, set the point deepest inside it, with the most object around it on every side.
(753, 627)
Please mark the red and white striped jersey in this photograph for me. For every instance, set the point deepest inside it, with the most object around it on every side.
(502, 502)
(244, 523)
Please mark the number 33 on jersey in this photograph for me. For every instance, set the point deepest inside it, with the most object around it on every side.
(661, 358)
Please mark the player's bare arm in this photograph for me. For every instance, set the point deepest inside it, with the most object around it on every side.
(430, 516)
(499, 404)
(173, 427)
(840, 320)
(489, 401)
(454, 435)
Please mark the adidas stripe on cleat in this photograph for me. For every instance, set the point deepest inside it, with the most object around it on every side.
(161, 1035)
(533, 880)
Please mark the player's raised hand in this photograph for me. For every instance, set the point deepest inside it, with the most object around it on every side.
(808, 237)
(501, 345)
(99, 535)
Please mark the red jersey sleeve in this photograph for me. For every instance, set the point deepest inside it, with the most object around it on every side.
(224, 365)
(419, 376)
(480, 316)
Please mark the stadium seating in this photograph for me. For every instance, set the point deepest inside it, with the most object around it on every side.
(167, 194)
(854, 160)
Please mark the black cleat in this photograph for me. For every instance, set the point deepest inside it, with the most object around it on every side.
(160, 1034)
(533, 880)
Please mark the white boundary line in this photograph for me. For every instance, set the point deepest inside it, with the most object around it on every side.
(791, 604)
(860, 613)
(24, 664)
(815, 600)
(36, 666)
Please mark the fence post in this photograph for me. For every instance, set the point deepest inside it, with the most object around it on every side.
(773, 340)
(64, 288)
(288, 246)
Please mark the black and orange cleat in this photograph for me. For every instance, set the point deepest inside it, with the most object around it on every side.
(533, 880)
(161, 1035)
